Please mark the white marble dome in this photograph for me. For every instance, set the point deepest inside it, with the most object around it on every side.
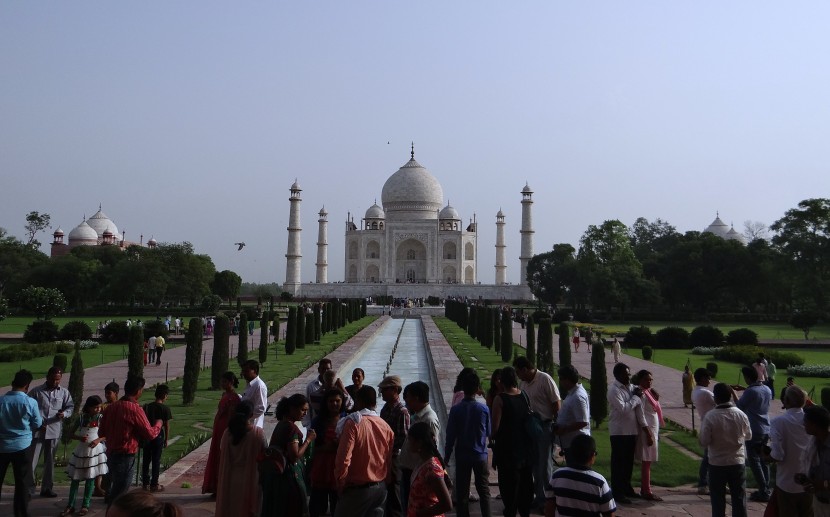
(83, 233)
(375, 212)
(449, 212)
(412, 189)
(101, 223)
(718, 227)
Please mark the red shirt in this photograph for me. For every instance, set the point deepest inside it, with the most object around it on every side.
(123, 424)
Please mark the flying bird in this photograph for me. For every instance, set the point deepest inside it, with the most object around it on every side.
(240, 244)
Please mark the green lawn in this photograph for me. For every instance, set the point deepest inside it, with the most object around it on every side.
(18, 324)
(674, 467)
(764, 330)
(191, 424)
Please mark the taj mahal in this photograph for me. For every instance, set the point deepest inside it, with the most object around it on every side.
(412, 245)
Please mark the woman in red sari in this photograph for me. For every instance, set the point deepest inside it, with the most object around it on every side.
(227, 406)
(323, 483)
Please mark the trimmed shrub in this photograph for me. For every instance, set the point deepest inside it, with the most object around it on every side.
(669, 338)
(545, 352)
(705, 350)
(135, 354)
(242, 350)
(565, 345)
(116, 332)
(647, 352)
(638, 337)
(76, 330)
(810, 370)
(221, 345)
(599, 385)
(506, 348)
(193, 354)
(309, 328)
(60, 360)
(76, 377)
(531, 340)
(747, 354)
(263, 340)
(713, 369)
(825, 396)
(742, 336)
(318, 330)
(496, 330)
(299, 330)
(706, 335)
(291, 331)
(41, 331)
(155, 328)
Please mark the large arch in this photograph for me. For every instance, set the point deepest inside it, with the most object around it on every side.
(353, 250)
(352, 273)
(450, 251)
(372, 273)
(411, 261)
(449, 275)
(468, 275)
(469, 251)
(373, 249)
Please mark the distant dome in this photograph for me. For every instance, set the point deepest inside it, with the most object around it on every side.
(58, 232)
(527, 189)
(412, 189)
(83, 234)
(500, 213)
(718, 227)
(296, 186)
(732, 235)
(151, 242)
(449, 212)
(375, 212)
(101, 223)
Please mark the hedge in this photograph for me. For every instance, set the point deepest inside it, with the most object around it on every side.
(747, 354)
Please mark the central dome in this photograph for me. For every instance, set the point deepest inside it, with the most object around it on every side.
(412, 189)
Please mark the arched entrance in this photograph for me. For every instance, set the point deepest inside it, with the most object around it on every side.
(411, 262)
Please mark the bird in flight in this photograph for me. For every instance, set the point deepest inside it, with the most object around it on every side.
(240, 244)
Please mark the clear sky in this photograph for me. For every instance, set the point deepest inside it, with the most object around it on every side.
(190, 120)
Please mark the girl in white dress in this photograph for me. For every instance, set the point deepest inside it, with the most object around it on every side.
(89, 458)
(650, 418)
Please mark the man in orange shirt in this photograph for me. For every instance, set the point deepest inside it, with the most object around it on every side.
(364, 457)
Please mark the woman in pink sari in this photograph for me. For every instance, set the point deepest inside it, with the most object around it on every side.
(227, 406)
(650, 417)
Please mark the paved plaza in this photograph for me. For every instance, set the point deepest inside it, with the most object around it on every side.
(679, 501)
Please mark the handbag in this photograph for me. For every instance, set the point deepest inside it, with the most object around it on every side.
(532, 422)
(271, 460)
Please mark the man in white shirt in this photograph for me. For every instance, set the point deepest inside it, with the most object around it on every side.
(416, 397)
(723, 432)
(704, 401)
(623, 426)
(544, 400)
(256, 392)
(151, 349)
(790, 449)
(574, 417)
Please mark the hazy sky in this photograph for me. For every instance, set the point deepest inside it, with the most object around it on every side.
(190, 120)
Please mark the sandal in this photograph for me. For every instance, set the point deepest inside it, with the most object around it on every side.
(84, 511)
(649, 496)
(69, 510)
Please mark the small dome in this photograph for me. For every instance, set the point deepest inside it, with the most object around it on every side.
(101, 223)
(732, 235)
(375, 212)
(449, 212)
(151, 242)
(527, 189)
(412, 189)
(83, 233)
(58, 232)
(323, 211)
(296, 185)
(107, 233)
(718, 227)
(500, 213)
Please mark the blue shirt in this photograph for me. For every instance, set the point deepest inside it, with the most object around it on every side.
(19, 417)
(755, 404)
(468, 428)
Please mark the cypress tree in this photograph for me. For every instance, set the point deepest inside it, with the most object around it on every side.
(506, 337)
(599, 384)
(242, 349)
(291, 331)
(135, 354)
(472, 325)
(318, 330)
(496, 330)
(463, 319)
(530, 327)
(299, 334)
(76, 376)
(545, 353)
(335, 316)
(263, 339)
(488, 327)
(221, 346)
(193, 354)
(238, 304)
(324, 323)
(275, 330)
(309, 328)
(564, 345)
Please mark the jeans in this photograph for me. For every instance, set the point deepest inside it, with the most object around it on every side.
(122, 469)
(735, 477)
(20, 468)
(622, 464)
(152, 453)
(406, 479)
(366, 501)
(481, 470)
(543, 468)
(760, 470)
(703, 472)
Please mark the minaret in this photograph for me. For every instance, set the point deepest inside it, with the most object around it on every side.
(294, 254)
(322, 248)
(526, 232)
(501, 266)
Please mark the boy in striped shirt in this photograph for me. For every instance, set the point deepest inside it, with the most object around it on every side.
(576, 489)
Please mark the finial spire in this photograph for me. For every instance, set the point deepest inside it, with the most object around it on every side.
(99, 207)
(412, 152)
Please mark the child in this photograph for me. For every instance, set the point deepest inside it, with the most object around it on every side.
(88, 459)
(152, 449)
(576, 489)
